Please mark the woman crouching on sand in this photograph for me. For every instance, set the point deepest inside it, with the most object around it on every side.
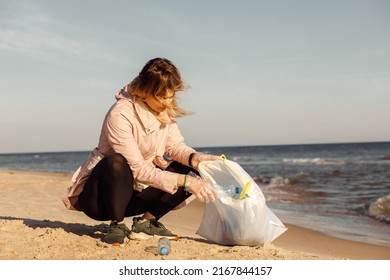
(141, 165)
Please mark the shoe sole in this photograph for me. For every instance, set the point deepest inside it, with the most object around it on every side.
(144, 236)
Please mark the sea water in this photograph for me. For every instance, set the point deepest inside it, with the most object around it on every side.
(341, 190)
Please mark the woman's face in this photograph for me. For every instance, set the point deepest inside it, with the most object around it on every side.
(159, 105)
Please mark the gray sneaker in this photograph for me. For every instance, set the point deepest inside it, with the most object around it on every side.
(149, 229)
(116, 234)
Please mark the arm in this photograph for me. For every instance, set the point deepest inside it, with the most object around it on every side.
(118, 131)
(179, 151)
(176, 148)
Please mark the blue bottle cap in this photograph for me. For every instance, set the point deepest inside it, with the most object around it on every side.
(164, 251)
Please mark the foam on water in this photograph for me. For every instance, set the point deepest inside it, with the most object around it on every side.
(318, 161)
(380, 209)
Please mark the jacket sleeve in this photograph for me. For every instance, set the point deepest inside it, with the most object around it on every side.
(176, 148)
(119, 133)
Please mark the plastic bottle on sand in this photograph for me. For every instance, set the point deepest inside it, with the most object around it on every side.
(164, 246)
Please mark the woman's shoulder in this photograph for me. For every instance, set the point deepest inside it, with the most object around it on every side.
(124, 105)
(124, 96)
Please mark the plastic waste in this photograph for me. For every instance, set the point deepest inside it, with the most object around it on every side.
(233, 191)
(245, 220)
(164, 246)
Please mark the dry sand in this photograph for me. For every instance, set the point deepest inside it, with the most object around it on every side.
(34, 224)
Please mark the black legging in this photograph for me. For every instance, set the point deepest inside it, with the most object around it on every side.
(108, 193)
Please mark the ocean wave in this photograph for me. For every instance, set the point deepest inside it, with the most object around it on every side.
(380, 209)
(261, 179)
(318, 161)
(279, 181)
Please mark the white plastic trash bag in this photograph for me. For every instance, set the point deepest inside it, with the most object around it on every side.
(240, 215)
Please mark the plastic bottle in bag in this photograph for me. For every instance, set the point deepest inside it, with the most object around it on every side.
(233, 191)
(164, 246)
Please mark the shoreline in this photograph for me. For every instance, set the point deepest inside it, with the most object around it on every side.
(32, 211)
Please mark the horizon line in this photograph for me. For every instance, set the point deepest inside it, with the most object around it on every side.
(214, 147)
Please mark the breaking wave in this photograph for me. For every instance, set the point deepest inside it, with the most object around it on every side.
(279, 181)
(318, 161)
(380, 209)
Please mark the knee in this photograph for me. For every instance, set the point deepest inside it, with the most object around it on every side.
(116, 159)
(117, 163)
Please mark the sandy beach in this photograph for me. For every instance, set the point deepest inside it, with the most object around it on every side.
(34, 224)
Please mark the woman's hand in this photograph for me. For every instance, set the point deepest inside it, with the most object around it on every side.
(199, 157)
(201, 188)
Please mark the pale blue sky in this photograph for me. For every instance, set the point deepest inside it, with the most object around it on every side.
(260, 72)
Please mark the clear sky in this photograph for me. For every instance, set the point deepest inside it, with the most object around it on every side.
(260, 72)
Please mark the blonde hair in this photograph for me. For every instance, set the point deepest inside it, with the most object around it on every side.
(157, 77)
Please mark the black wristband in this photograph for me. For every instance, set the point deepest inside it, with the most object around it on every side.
(190, 159)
